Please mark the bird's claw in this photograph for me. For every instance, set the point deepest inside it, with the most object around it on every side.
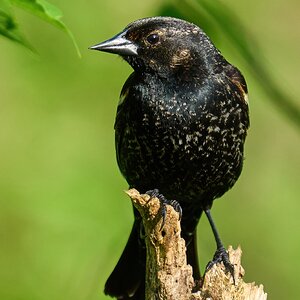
(153, 193)
(221, 255)
(175, 204)
(177, 207)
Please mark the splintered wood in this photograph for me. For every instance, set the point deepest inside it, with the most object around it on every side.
(168, 276)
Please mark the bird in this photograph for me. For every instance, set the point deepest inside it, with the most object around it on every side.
(180, 129)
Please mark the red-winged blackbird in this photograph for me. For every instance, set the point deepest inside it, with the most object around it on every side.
(180, 128)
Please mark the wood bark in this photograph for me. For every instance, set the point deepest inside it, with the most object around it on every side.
(168, 276)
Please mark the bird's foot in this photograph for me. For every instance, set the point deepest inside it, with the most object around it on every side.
(164, 202)
(221, 255)
(153, 193)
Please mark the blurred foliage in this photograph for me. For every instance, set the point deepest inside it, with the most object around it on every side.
(64, 219)
(8, 26)
(40, 8)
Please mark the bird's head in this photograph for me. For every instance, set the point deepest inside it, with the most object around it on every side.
(163, 45)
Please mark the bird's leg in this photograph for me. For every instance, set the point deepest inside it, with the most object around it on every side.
(175, 204)
(221, 254)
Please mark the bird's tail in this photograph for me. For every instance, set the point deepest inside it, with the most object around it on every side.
(127, 280)
(192, 256)
(190, 219)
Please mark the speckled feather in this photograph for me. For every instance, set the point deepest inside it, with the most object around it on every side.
(184, 138)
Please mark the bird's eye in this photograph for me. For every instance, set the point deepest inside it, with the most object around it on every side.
(153, 38)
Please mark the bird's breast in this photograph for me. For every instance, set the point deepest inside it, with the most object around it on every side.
(181, 136)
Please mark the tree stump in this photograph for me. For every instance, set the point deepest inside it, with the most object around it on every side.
(168, 276)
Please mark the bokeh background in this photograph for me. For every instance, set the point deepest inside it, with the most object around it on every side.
(64, 218)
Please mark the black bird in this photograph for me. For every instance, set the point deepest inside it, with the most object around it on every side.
(180, 128)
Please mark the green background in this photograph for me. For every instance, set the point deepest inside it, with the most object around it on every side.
(64, 218)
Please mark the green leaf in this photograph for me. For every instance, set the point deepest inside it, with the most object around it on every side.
(8, 26)
(47, 12)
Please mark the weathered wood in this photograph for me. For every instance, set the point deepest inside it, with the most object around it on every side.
(168, 276)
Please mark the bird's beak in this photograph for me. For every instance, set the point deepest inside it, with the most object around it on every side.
(119, 44)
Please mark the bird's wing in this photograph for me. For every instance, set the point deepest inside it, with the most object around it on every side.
(121, 123)
(236, 77)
